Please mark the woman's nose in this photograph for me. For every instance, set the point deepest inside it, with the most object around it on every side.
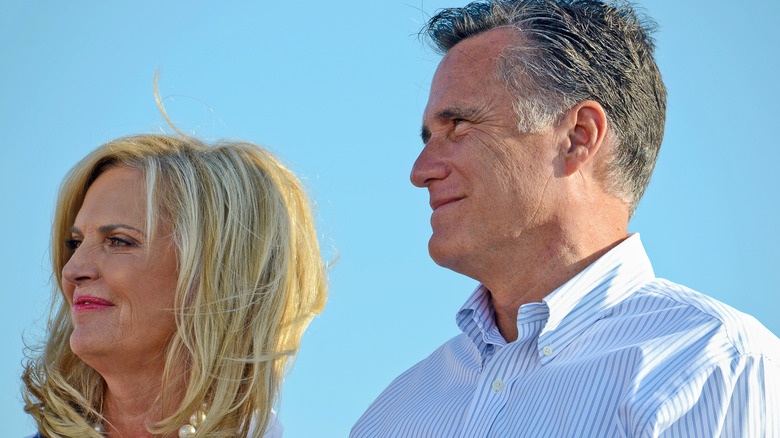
(82, 267)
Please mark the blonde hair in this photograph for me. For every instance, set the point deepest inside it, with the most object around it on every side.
(250, 279)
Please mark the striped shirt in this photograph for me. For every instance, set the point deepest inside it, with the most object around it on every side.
(614, 352)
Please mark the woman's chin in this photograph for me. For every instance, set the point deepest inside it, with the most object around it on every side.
(88, 345)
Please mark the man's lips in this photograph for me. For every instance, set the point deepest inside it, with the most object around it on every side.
(438, 202)
(87, 302)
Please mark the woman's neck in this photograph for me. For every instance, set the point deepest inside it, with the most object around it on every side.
(134, 401)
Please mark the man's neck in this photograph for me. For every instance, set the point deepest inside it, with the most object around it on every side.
(515, 287)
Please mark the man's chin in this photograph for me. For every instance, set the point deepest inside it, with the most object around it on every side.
(445, 254)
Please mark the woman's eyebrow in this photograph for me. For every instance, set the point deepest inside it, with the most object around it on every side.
(106, 228)
(113, 227)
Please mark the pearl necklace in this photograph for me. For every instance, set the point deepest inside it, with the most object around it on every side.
(189, 430)
(186, 431)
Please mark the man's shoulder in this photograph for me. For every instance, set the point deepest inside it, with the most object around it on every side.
(408, 398)
(458, 350)
(708, 316)
(690, 349)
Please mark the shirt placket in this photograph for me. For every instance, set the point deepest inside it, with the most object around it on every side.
(493, 388)
(490, 396)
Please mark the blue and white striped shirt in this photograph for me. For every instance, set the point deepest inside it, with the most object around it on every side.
(614, 352)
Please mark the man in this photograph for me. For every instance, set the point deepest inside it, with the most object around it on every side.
(541, 132)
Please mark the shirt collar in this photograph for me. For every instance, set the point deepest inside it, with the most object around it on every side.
(589, 295)
(574, 306)
(476, 319)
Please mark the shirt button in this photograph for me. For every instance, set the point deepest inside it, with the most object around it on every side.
(547, 350)
(498, 385)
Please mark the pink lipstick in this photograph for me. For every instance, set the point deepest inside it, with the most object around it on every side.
(85, 302)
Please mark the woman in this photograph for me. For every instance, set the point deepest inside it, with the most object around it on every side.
(186, 276)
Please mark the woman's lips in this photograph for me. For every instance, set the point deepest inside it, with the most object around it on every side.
(86, 302)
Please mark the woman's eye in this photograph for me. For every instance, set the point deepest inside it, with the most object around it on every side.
(72, 244)
(116, 241)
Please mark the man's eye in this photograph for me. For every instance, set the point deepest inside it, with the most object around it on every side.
(72, 244)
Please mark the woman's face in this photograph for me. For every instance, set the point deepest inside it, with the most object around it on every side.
(119, 283)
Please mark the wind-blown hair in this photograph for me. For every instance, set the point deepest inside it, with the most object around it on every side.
(250, 279)
(569, 51)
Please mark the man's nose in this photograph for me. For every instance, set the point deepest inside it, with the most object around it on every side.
(429, 166)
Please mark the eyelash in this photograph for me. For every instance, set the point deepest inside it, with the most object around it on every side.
(116, 241)
(73, 244)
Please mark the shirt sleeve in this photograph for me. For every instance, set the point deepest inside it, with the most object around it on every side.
(733, 399)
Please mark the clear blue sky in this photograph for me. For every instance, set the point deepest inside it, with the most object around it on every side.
(338, 90)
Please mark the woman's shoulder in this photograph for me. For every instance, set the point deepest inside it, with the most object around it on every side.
(274, 429)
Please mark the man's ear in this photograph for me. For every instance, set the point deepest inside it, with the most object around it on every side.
(585, 127)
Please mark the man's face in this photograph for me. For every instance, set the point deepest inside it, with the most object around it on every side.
(488, 183)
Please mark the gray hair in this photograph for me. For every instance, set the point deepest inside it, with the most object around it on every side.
(569, 51)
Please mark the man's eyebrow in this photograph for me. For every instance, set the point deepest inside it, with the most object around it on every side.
(425, 134)
(449, 113)
(457, 112)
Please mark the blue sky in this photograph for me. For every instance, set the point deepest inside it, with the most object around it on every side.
(338, 91)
